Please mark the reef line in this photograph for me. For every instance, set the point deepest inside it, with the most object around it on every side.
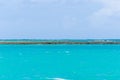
(56, 42)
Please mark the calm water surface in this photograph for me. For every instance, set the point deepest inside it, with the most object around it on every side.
(59, 62)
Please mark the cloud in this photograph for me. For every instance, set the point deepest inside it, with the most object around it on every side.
(109, 9)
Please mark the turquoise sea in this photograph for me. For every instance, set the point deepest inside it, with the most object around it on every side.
(60, 62)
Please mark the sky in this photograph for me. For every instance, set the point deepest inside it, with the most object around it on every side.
(59, 19)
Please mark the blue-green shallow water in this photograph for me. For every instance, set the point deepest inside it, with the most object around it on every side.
(59, 62)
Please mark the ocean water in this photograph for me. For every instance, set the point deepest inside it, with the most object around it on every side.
(59, 62)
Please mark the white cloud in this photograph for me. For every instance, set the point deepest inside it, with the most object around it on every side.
(109, 9)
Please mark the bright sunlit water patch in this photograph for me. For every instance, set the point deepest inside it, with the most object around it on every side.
(59, 62)
(56, 79)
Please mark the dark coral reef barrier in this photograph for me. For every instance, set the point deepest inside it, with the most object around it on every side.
(56, 42)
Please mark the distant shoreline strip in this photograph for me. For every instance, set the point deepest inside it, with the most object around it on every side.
(28, 42)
